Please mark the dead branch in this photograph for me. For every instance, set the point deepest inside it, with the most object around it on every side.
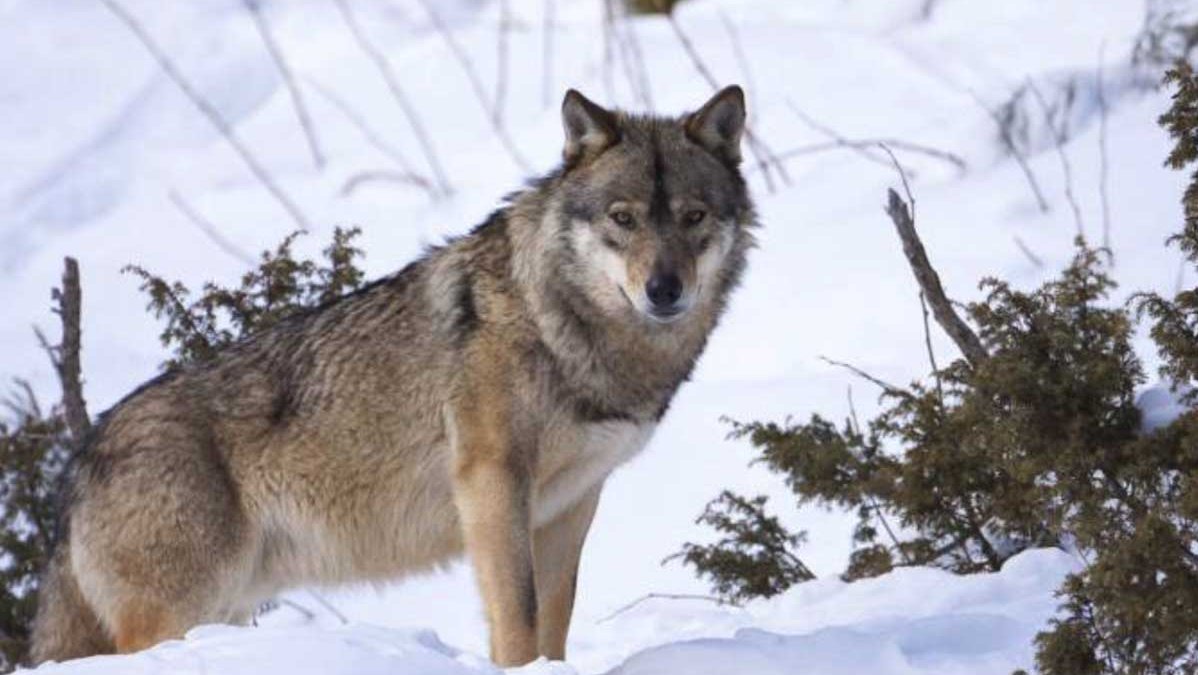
(359, 179)
(1058, 138)
(389, 77)
(501, 61)
(210, 230)
(849, 144)
(65, 356)
(667, 596)
(476, 86)
(929, 281)
(764, 156)
(297, 100)
(1103, 164)
(209, 111)
(1005, 134)
(882, 384)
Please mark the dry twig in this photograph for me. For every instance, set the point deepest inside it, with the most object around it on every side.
(764, 156)
(210, 230)
(359, 179)
(1058, 137)
(667, 596)
(476, 86)
(882, 384)
(208, 110)
(1005, 134)
(1103, 164)
(389, 77)
(297, 100)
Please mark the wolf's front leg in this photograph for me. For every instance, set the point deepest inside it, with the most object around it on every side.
(491, 483)
(557, 547)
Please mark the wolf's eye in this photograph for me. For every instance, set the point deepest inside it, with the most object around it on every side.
(694, 216)
(621, 218)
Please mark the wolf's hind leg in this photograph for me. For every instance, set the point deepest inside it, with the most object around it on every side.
(160, 542)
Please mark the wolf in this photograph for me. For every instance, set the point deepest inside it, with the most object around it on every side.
(474, 401)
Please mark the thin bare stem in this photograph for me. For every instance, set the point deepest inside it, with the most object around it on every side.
(209, 111)
(738, 52)
(392, 80)
(1005, 134)
(476, 86)
(873, 502)
(548, 27)
(502, 59)
(297, 100)
(765, 158)
(666, 596)
(359, 179)
(1103, 163)
(927, 341)
(882, 384)
(210, 230)
(368, 133)
(1028, 252)
(864, 150)
(929, 281)
(328, 606)
(1058, 137)
(848, 144)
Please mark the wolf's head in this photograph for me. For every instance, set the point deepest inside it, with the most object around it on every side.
(654, 209)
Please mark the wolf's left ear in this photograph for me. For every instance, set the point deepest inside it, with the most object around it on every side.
(590, 128)
(720, 123)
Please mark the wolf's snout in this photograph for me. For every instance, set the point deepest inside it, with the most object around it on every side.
(663, 291)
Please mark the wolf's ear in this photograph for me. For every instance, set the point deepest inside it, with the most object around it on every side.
(720, 123)
(590, 129)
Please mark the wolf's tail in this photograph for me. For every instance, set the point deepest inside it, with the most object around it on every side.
(66, 627)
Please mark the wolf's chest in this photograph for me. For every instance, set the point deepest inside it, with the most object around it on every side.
(576, 458)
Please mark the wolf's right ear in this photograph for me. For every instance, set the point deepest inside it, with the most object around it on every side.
(590, 128)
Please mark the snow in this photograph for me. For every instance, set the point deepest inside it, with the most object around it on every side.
(912, 622)
(95, 138)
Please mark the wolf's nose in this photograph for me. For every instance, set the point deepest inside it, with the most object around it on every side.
(664, 290)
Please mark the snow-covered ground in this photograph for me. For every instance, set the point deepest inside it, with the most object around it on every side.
(95, 138)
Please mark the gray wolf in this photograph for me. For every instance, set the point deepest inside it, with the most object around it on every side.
(473, 402)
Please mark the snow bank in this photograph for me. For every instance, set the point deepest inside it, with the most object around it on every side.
(910, 622)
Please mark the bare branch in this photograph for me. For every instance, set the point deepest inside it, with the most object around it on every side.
(328, 606)
(631, 58)
(1103, 164)
(209, 111)
(882, 384)
(764, 156)
(359, 179)
(65, 356)
(1005, 134)
(816, 148)
(501, 61)
(370, 135)
(742, 60)
(1058, 138)
(929, 281)
(210, 230)
(254, 7)
(389, 77)
(667, 596)
(548, 26)
(862, 149)
(1028, 252)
